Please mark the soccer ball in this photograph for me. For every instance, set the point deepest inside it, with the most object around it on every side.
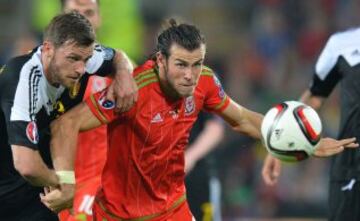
(291, 131)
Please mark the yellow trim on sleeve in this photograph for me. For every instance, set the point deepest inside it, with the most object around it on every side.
(219, 106)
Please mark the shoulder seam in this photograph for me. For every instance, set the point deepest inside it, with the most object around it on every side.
(206, 71)
(144, 72)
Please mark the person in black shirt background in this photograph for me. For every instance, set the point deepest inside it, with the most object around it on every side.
(339, 62)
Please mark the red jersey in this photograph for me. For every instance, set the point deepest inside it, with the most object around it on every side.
(144, 172)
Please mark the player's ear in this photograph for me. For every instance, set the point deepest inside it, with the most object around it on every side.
(48, 48)
(160, 59)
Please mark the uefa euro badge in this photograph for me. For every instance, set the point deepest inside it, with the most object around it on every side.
(221, 89)
(104, 103)
(189, 105)
(32, 132)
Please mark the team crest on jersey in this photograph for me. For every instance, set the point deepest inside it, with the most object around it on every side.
(32, 132)
(189, 105)
(74, 90)
(221, 89)
(104, 103)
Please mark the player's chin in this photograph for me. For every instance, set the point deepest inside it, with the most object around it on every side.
(187, 92)
(68, 83)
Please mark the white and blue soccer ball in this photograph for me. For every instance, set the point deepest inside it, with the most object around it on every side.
(291, 131)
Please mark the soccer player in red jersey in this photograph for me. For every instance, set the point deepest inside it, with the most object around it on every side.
(143, 178)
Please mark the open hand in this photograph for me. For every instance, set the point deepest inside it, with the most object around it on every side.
(329, 146)
(124, 91)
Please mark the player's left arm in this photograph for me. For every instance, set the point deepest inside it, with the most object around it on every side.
(123, 89)
(217, 101)
(249, 122)
(243, 120)
(116, 64)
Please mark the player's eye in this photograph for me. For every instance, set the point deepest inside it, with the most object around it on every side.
(198, 64)
(181, 65)
(73, 59)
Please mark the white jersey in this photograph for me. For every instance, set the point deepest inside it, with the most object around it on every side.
(339, 62)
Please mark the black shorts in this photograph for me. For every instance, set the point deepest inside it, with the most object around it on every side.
(344, 200)
(197, 190)
(24, 205)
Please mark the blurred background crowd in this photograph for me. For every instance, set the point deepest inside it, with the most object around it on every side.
(263, 50)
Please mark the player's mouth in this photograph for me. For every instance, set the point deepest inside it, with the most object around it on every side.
(74, 78)
(187, 85)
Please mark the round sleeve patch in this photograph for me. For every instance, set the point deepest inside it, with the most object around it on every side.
(104, 103)
(32, 132)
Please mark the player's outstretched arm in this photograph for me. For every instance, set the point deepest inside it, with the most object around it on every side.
(243, 120)
(123, 89)
(329, 146)
(249, 122)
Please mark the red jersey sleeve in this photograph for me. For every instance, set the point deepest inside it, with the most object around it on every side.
(103, 109)
(216, 99)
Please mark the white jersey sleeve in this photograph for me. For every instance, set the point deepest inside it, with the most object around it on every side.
(101, 61)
